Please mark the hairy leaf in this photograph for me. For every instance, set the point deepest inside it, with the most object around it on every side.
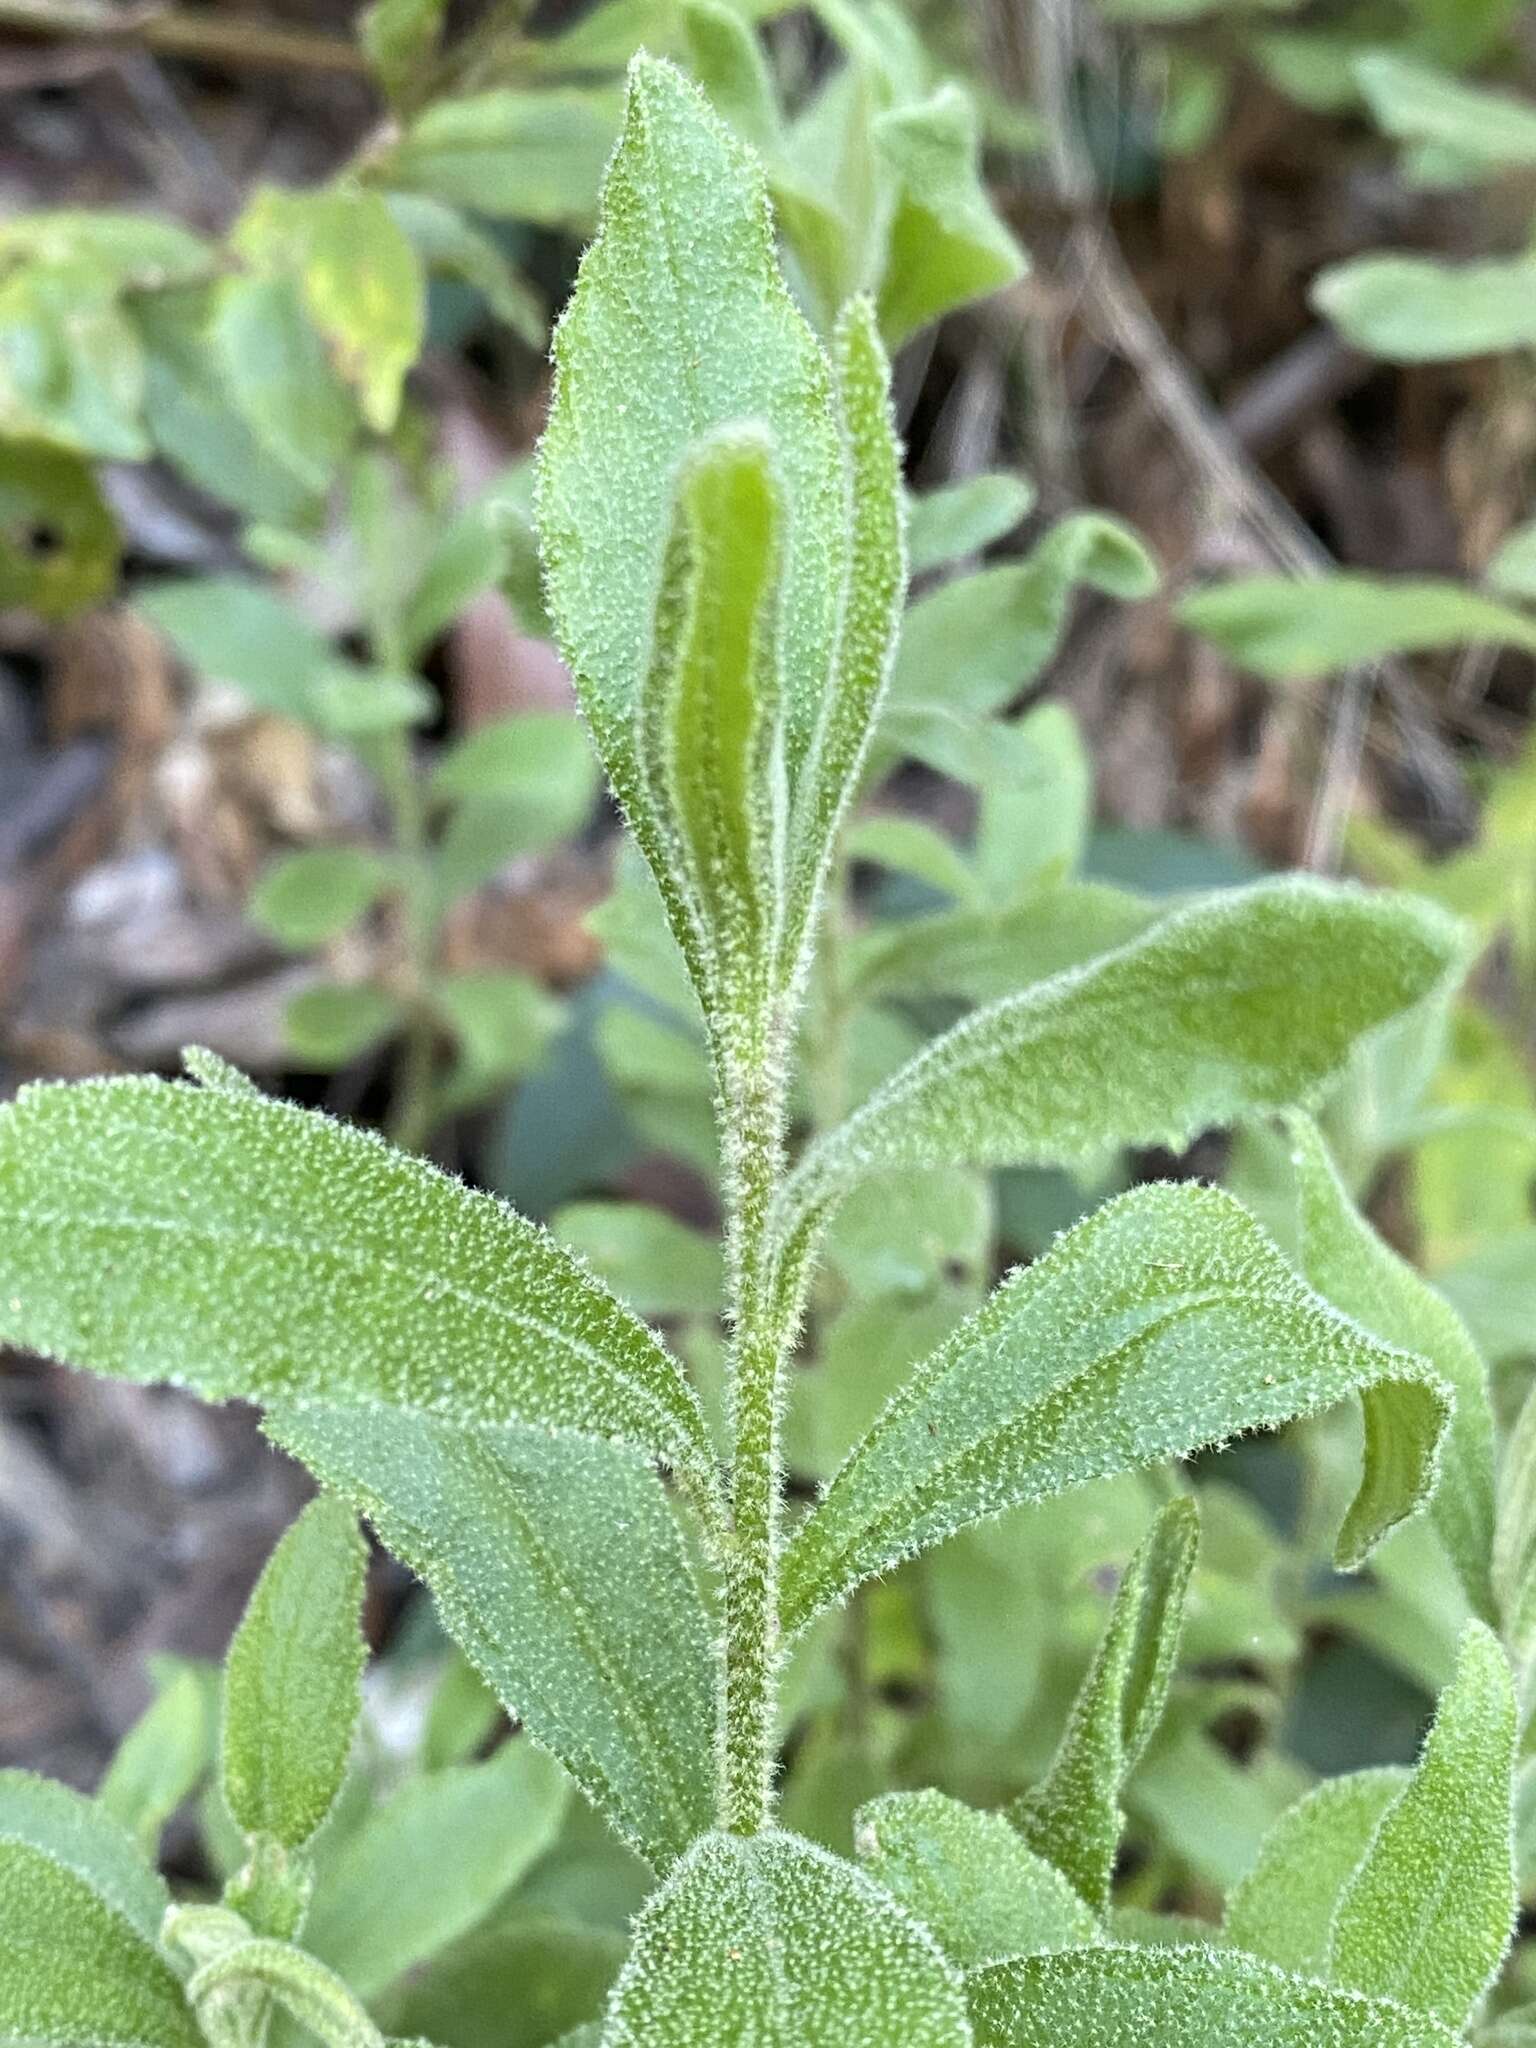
(709, 703)
(1283, 1909)
(73, 1970)
(304, 1988)
(558, 1566)
(1165, 1323)
(772, 1941)
(241, 1247)
(293, 1679)
(431, 1862)
(1131, 1997)
(1428, 1914)
(967, 1877)
(83, 1836)
(1246, 1002)
(1514, 1543)
(1349, 1265)
(1073, 1817)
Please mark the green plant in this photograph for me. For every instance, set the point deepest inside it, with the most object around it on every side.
(723, 528)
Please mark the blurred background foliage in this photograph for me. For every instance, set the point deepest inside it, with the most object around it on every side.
(1212, 323)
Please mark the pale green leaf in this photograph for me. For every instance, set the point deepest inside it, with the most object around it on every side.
(71, 366)
(1248, 1001)
(337, 1022)
(519, 1981)
(1350, 1265)
(234, 631)
(1289, 627)
(58, 540)
(558, 1566)
(1073, 1818)
(978, 641)
(772, 1941)
(245, 1248)
(1165, 1323)
(1486, 131)
(660, 1266)
(401, 39)
(1412, 309)
(1429, 1913)
(448, 244)
(538, 764)
(946, 245)
(1199, 1998)
(1493, 1290)
(273, 368)
(305, 898)
(727, 59)
(1512, 568)
(909, 846)
(968, 1878)
(961, 519)
(430, 1862)
(74, 1973)
(503, 1021)
(359, 276)
(81, 1834)
(293, 1679)
(533, 156)
(161, 1759)
(130, 251)
(1283, 1908)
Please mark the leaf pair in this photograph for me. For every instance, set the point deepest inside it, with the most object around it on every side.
(1402, 1887)
(436, 1358)
(721, 521)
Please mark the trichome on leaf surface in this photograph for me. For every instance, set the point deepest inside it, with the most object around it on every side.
(617, 1555)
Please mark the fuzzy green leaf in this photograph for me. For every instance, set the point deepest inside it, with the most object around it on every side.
(559, 1568)
(772, 1941)
(326, 2008)
(967, 1877)
(1429, 1913)
(81, 1834)
(431, 1862)
(1344, 1259)
(1283, 1909)
(245, 1248)
(1165, 1323)
(1514, 1543)
(293, 1679)
(73, 1971)
(1073, 1818)
(1197, 1997)
(1246, 1002)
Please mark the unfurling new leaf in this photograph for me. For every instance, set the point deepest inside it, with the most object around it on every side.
(1073, 1816)
(748, 650)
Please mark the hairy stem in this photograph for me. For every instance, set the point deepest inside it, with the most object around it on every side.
(753, 1092)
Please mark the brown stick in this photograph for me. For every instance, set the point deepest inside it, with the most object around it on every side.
(240, 41)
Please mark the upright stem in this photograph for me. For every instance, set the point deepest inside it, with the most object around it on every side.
(753, 1088)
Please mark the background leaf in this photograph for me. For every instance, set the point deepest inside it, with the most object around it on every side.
(1283, 1909)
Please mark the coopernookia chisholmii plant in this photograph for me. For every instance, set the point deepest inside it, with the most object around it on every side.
(722, 523)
